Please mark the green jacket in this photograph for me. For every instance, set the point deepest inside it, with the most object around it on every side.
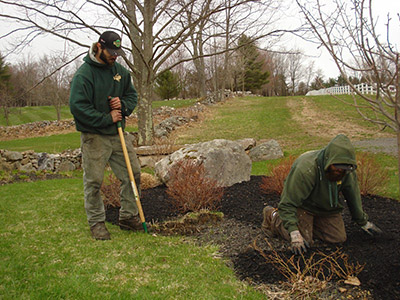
(91, 86)
(307, 187)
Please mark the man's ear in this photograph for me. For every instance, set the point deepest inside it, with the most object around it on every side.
(98, 46)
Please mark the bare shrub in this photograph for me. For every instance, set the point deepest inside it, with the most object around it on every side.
(275, 181)
(308, 276)
(110, 190)
(371, 176)
(191, 190)
(148, 181)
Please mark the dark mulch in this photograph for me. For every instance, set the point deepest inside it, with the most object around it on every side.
(242, 206)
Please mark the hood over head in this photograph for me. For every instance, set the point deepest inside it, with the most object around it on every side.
(339, 151)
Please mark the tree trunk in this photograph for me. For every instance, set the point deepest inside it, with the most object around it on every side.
(143, 68)
(398, 155)
(145, 116)
(201, 77)
(6, 115)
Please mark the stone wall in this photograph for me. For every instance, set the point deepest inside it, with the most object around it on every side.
(30, 161)
(69, 160)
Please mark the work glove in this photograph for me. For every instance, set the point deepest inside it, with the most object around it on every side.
(371, 229)
(299, 245)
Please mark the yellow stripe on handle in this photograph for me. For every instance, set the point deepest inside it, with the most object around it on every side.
(131, 178)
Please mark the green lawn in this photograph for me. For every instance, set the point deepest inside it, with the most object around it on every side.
(50, 144)
(256, 117)
(29, 114)
(22, 115)
(47, 253)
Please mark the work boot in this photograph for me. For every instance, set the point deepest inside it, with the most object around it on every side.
(267, 220)
(100, 232)
(133, 223)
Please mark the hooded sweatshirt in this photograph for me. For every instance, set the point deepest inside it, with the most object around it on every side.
(307, 186)
(91, 88)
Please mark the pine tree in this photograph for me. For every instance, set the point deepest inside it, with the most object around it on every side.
(5, 73)
(254, 76)
(167, 85)
(5, 88)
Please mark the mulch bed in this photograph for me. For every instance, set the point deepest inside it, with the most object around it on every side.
(242, 206)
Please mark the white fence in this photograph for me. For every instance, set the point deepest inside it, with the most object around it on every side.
(363, 88)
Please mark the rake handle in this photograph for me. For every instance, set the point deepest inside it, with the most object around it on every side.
(131, 178)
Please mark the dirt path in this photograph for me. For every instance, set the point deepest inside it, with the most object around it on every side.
(318, 123)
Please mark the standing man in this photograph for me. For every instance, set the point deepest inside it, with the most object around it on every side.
(310, 206)
(102, 94)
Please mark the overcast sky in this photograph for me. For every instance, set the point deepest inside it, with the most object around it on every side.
(291, 16)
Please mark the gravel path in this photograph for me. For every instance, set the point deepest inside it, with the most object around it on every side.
(385, 145)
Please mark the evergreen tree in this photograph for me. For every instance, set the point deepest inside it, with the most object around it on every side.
(5, 89)
(5, 73)
(167, 85)
(253, 75)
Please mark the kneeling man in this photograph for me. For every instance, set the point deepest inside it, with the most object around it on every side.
(310, 207)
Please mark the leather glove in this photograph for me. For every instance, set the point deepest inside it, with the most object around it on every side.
(371, 229)
(299, 245)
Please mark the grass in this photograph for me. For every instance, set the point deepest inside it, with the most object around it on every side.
(29, 114)
(50, 144)
(177, 103)
(47, 253)
(332, 106)
(257, 117)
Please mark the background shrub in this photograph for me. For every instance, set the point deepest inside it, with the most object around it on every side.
(191, 190)
(371, 176)
(275, 181)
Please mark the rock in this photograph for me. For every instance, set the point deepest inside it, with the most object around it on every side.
(48, 163)
(223, 160)
(5, 166)
(160, 132)
(168, 125)
(12, 155)
(266, 151)
(27, 168)
(25, 161)
(148, 161)
(159, 149)
(247, 143)
(41, 158)
(66, 166)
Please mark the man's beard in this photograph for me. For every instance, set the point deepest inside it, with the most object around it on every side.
(334, 177)
(109, 61)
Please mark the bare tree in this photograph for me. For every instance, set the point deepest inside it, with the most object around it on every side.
(295, 68)
(349, 31)
(55, 88)
(153, 31)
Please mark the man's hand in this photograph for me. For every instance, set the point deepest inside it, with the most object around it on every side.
(115, 103)
(116, 115)
(299, 245)
(371, 229)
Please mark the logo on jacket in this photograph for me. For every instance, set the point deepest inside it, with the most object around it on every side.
(117, 77)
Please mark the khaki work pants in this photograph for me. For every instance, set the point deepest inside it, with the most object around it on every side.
(97, 151)
(327, 228)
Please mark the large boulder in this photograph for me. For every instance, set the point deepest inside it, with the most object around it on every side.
(223, 160)
(266, 151)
